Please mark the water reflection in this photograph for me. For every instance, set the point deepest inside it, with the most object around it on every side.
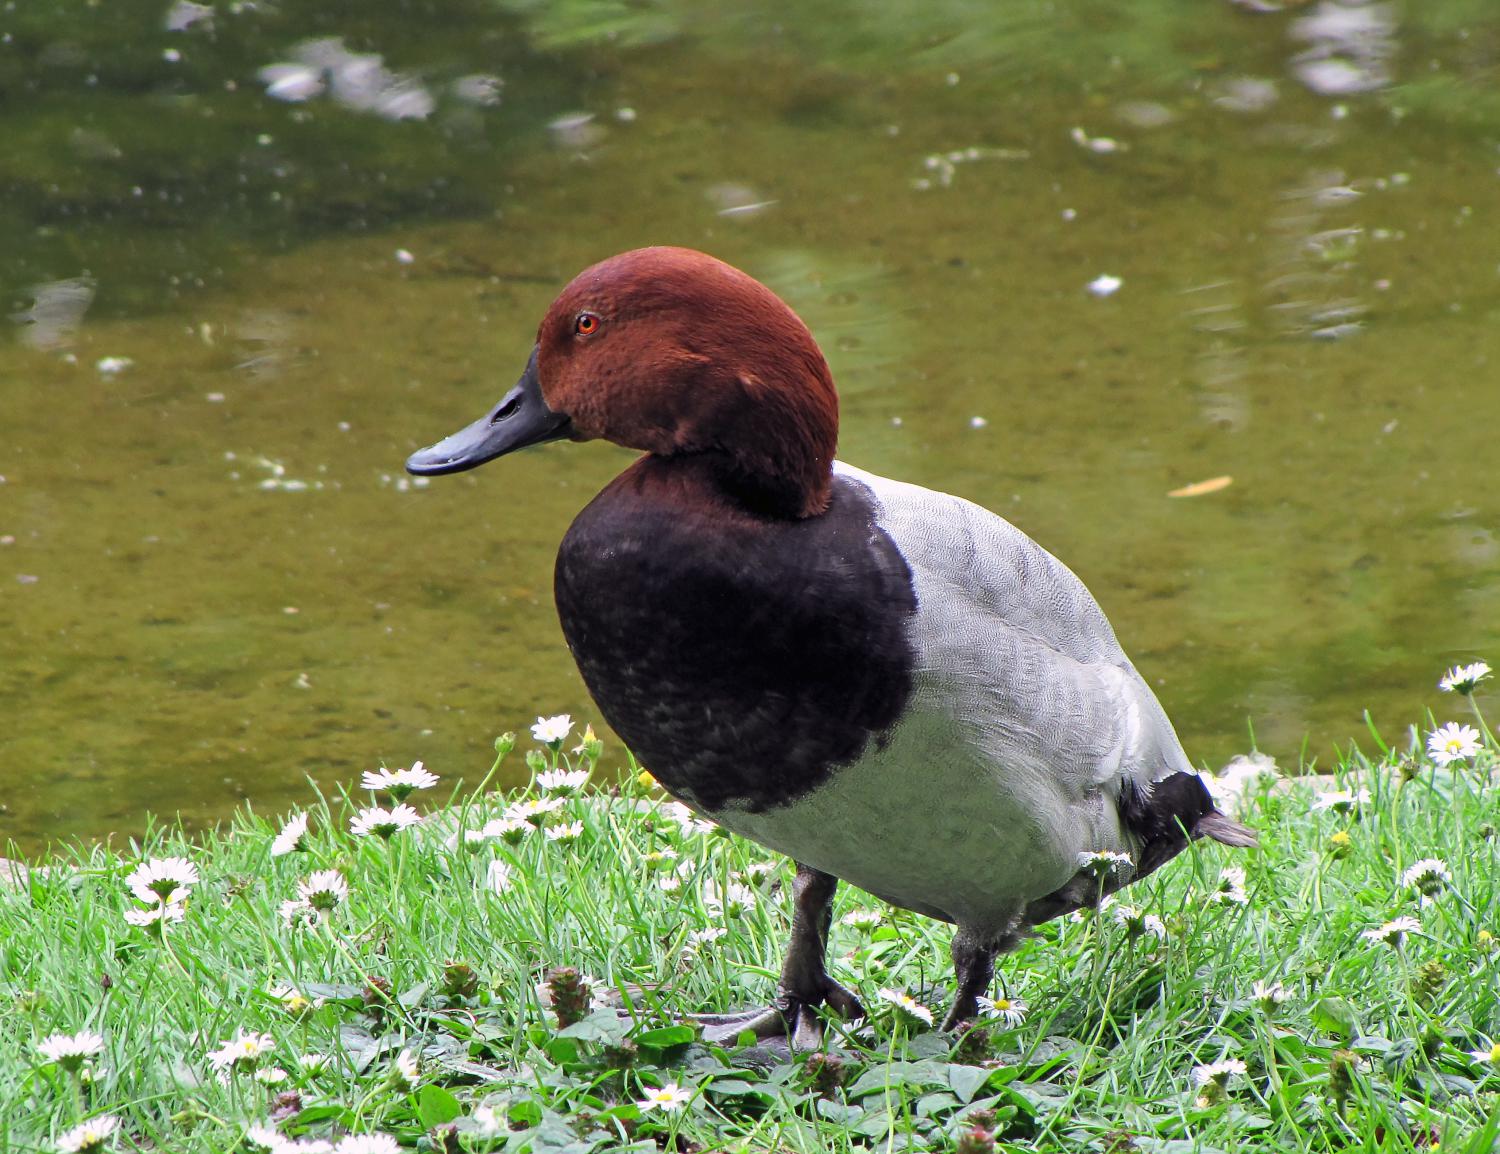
(1350, 47)
(360, 81)
(56, 312)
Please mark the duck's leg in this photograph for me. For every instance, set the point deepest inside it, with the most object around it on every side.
(805, 984)
(973, 969)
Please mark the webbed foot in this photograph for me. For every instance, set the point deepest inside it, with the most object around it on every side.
(805, 984)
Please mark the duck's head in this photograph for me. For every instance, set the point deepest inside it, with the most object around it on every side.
(675, 353)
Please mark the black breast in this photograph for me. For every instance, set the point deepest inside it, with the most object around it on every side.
(742, 659)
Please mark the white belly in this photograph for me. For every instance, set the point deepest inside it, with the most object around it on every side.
(932, 824)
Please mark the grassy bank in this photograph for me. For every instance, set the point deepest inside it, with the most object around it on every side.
(254, 1001)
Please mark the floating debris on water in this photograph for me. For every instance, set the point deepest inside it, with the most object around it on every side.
(738, 200)
(357, 80)
(1103, 145)
(1105, 285)
(278, 480)
(576, 131)
(56, 312)
(945, 164)
(1202, 488)
(112, 365)
(480, 90)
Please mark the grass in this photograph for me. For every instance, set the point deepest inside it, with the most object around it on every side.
(417, 994)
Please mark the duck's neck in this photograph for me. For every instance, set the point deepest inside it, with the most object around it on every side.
(712, 480)
(767, 489)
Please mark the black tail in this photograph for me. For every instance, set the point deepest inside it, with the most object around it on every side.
(1175, 810)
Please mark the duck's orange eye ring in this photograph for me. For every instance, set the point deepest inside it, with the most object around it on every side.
(586, 325)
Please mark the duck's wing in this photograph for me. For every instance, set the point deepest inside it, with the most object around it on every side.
(1014, 642)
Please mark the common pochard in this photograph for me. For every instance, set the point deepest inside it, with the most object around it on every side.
(890, 685)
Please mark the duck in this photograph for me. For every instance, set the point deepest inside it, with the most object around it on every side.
(892, 686)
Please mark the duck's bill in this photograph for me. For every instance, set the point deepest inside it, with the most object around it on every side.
(521, 418)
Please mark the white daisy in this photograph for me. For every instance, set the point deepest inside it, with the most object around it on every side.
(906, 1004)
(296, 912)
(706, 936)
(293, 836)
(1463, 678)
(472, 840)
(271, 1076)
(497, 877)
(1490, 1056)
(405, 1070)
(163, 879)
(267, 1138)
(1452, 742)
(70, 1051)
(731, 901)
(589, 744)
(312, 1064)
(659, 859)
(1341, 800)
(1137, 924)
(488, 1123)
(570, 832)
(367, 1144)
(383, 822)
(533, 810)
(242, 1051)
(323, 890)
(1427, 877)
(1393, 932)
(756, 871)
(562, 781)
(688, 821)
(552, 730)
(293, 1000)
(670, 884)
(1231, 891)
(668, 1098)
(1218, 1073)
(1269, 995)
(863, 920)
(155, 919)
(510, 830)
(1010, 1011)
(88, 1136)
(1243, 776)
(1104, 861)
(398, 783)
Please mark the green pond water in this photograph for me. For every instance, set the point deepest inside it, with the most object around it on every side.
(215, 580)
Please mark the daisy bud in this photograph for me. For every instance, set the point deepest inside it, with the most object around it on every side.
(1429, 982)
(1341, 1069)
(568, 994)
(827, 1071)
(976, 1140)
(621, 1057)
(505, 743)
(459, 980)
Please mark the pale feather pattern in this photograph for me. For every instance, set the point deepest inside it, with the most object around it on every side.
(1025, 720)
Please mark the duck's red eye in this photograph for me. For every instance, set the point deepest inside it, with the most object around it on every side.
(586, 324)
